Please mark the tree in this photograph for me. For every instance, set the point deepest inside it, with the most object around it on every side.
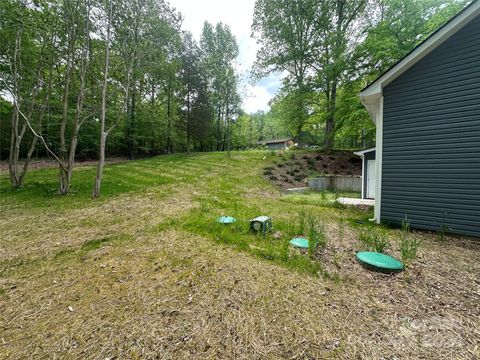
(286, 32)
(27, 70)
(219, 50)
(104, 133)
(338, 30)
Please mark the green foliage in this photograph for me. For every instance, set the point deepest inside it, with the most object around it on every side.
(330, 51)
(302, 222)
(373, 240)
(409, 248)
(341, 225)
(408, 243)
(316, 235)
(442, 231)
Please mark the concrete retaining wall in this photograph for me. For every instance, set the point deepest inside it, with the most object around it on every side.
(339, 183)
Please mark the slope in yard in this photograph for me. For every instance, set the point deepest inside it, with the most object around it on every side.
(292, 169)
(146, 272)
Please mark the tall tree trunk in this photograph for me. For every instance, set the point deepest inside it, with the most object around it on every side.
(169, 114)
(68, 156)
(330, 121)
(227, 118)
(16, 135)
(219, 137)
(62, 175)
(131, 124)
(188, 122)
(103, 133)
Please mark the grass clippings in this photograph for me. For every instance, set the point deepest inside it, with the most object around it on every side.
(146, 273)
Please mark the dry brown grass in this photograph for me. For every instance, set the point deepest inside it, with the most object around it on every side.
(146, 291)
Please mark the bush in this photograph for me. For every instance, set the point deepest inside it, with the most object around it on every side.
(374, 240)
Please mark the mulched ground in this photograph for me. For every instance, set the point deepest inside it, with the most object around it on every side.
(292, 169)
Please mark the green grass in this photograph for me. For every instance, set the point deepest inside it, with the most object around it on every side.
(40, 188)
(219, 186)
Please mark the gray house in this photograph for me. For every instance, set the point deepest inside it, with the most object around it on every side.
(427, 114)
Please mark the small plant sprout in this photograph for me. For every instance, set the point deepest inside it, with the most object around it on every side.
(409, 249)
(408, 243)
(373, 240)
(316, 236)
(341, 225)
(324, 195)
(301, 222)
(285, 249)
(443, 229)
(405, 225)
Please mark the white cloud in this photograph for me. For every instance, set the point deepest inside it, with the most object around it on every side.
(238, 15)
(257, 98)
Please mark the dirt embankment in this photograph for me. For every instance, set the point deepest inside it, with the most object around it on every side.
(292, 169)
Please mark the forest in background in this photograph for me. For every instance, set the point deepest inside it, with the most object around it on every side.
(85, 79)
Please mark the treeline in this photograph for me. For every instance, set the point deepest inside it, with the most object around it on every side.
(89, 78)
(329, 50)
(86, 79)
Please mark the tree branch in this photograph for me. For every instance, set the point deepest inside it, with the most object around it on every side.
(27, 121)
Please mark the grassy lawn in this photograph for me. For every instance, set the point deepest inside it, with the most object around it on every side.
(146, 272)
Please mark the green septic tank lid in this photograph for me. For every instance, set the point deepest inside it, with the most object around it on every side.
(299, 242)
(226, 220)
(379, 261)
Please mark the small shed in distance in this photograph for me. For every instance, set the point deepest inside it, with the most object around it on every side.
(368, 172)
(279, 144)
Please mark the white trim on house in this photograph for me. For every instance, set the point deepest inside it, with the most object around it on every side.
(362, 152)
(370, 96)
(378, 162)
(363, 174)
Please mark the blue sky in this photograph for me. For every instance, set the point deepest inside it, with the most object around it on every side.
(238, 15)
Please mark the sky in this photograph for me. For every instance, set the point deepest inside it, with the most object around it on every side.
(238, 14)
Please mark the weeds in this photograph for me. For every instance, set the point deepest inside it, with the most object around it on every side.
(301, 222)
(408, 244)
(373, 240)
(405, 225)
(442, 231)
(324, 195)
(316, 236)
(444, 228)
(409, 248)
(341, 225)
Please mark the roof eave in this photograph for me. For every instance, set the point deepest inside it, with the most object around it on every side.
(364, 151)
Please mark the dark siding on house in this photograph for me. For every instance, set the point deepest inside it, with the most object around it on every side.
(431, 139)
